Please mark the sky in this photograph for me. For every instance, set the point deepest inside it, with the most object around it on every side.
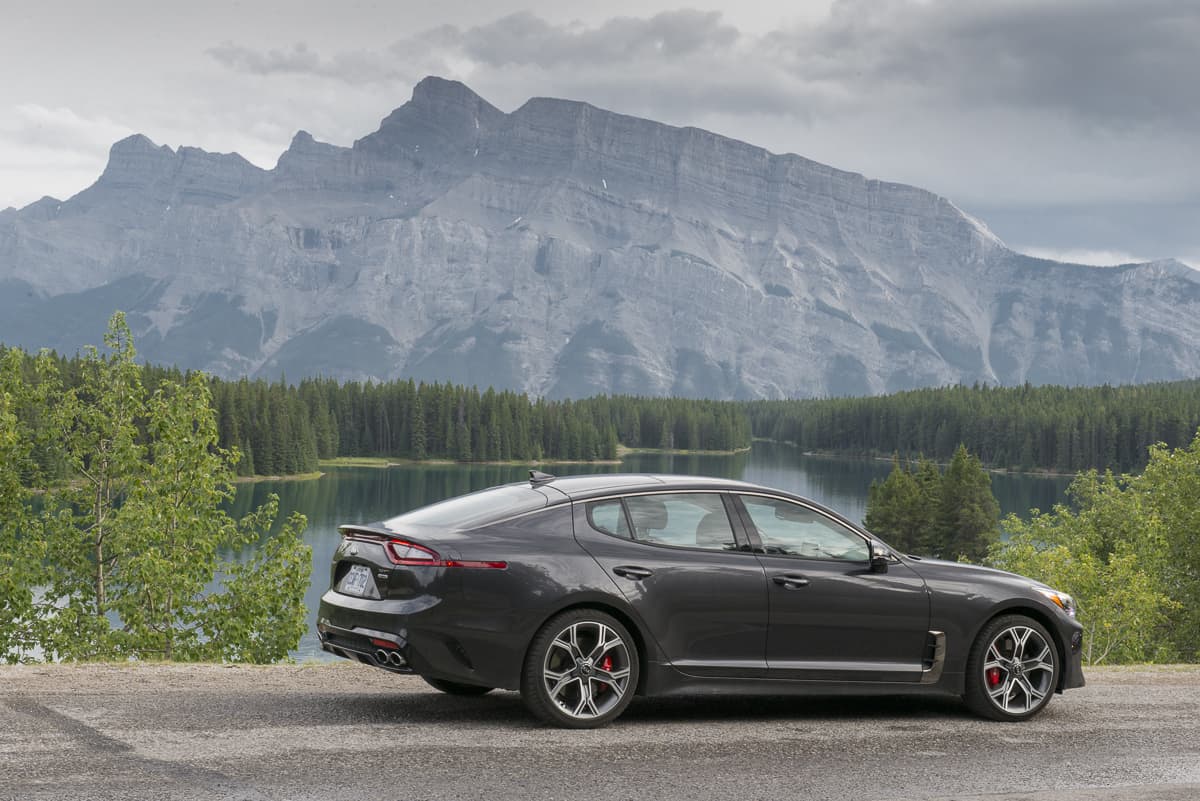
(1071, 127)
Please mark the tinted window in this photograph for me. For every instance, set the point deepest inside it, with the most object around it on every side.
(468, 511)
(608, 517)
(792, 530)
(693, 520)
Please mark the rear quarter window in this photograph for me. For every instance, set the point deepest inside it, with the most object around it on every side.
(609, 517)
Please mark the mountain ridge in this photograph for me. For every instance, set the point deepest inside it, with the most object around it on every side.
(562, 250)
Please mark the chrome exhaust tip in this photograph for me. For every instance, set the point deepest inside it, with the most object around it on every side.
(381, 657)
(395, 659)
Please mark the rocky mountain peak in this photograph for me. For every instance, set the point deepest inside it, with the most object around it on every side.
(302, 141)
(137, 143)
(442, 117)
(135, 161)
(434, 92)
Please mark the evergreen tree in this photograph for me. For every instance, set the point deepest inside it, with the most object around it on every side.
(923, 511)
(896, 511)
(968, 516)
(417, 445)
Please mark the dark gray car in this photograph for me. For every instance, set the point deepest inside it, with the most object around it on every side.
(584, 591)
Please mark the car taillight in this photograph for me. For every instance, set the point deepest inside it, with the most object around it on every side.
(403, 552)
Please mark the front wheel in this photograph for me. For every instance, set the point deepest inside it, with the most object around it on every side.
(581, 670)
(1012, 670)
(456, 688)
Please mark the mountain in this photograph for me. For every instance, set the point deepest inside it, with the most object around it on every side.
(565, 250)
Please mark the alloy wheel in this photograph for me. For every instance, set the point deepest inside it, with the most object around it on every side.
(587, 669)
(1018, 670)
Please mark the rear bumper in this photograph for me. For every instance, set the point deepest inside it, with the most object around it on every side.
(419, 630)
(377, 648)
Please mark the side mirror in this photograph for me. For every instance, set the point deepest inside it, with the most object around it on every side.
(879, 559)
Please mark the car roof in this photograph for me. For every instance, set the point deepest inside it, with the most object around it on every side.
(543, 491)
(580, 488)
(590, 486)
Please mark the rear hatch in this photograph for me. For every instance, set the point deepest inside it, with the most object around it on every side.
(418, 553)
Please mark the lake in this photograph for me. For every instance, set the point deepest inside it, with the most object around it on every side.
(367, 494)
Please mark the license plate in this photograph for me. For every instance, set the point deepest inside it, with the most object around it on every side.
(358, 582)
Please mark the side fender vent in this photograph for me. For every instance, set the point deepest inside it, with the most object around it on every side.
(935, 657)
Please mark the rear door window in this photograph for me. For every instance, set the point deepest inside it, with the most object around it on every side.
(682, 520)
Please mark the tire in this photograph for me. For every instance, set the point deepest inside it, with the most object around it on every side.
(1012, 670)
(455, 688)
(581, 670)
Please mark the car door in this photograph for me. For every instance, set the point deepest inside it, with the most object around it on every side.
(678, 562)
(831, 617)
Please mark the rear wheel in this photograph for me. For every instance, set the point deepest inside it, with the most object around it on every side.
(1012, 670)
(581, 670)
(456, 688)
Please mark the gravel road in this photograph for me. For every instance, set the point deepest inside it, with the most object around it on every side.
(351, 732)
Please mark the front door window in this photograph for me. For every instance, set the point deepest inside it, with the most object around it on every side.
(788, 529)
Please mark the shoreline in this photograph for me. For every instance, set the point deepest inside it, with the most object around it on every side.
(622, 452)
(383, 462)
(854, 456)
(254, 479)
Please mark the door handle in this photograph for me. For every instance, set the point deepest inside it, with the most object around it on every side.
(790, 581)
(632, 572)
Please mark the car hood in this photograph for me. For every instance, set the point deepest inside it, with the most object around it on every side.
(962, 571)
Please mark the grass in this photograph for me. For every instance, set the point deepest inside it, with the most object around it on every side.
(356, 461)
(293, 477)
(381, 461)
(623, 451)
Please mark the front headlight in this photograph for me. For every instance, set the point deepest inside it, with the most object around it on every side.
(1060, 599)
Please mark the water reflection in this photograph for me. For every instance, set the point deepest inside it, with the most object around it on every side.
(363, 494)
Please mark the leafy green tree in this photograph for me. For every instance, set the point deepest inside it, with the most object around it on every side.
(1129, 552)
(1167, 497)
(21, 551)
(136, 545)
(97, 423)
(259, 615)
(174, 530)
(1096, 554)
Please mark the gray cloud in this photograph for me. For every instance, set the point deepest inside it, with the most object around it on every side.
(524, 39)
(299, 59)
(1109, 62)
(397, 63)
(1105, 63)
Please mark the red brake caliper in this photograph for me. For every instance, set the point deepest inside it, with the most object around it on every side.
(993, 676)
(606, 664)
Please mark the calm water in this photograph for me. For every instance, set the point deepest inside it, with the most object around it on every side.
(362, 495)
